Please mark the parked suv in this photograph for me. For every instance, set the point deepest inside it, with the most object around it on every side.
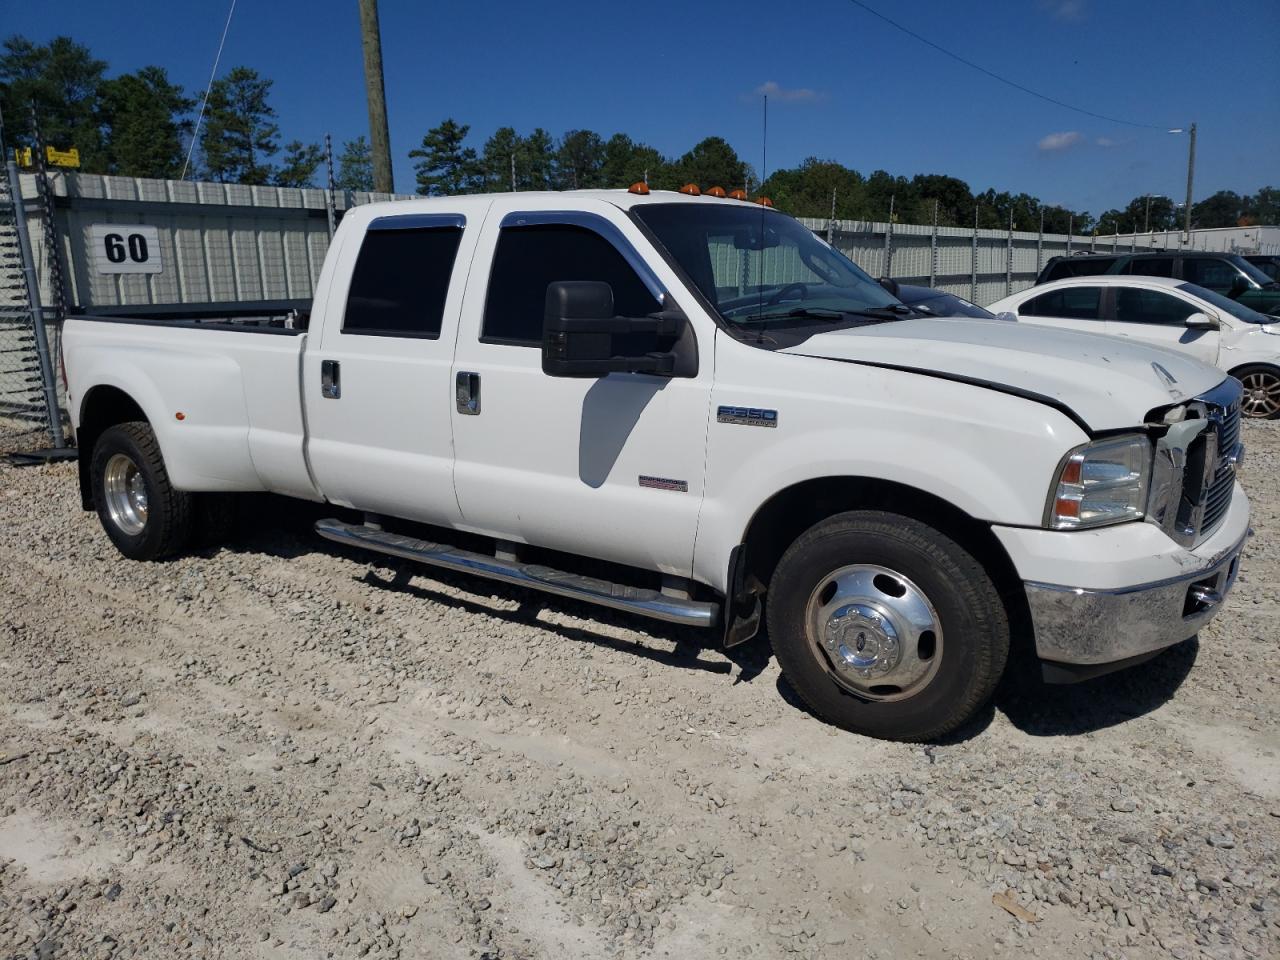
(1228, 274)
(1267, 263)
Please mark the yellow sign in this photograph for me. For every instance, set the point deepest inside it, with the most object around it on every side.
(22, 155)
(63, 158)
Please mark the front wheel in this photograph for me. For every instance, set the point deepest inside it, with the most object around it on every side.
(1261, 398)
(886, 627)
(141, 511)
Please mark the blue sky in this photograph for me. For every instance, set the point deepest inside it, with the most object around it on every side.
(846, 86)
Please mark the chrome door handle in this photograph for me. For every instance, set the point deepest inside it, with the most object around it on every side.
(467, 392)
(330, 379)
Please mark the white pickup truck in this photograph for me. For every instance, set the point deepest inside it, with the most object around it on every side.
(693, 409)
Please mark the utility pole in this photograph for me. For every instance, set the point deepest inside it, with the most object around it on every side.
(513, 173)
(1191, 173)
(379, 136)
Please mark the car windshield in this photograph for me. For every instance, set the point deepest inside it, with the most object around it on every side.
(948, 305)
(1237, 310)
(759, 267)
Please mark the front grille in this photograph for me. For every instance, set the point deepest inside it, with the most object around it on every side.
(1222, 406)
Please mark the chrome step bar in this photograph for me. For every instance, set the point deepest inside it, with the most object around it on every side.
(646, 603)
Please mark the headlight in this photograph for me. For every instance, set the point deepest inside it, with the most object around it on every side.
(1101, 482)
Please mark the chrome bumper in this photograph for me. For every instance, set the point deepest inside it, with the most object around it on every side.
(1078, 626)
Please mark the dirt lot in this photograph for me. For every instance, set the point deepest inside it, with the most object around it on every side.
(275, 750)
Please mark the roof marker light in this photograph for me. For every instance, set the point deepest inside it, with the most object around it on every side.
(691, 189)
(639, 187)
(717, 192)
(764, 201)
(738, 194)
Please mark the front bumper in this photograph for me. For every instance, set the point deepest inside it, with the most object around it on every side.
(1114, 612)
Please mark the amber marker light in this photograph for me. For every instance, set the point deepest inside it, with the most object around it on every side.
(639, 187)
(717, 192)
(764, 201)
(179, 415)
(737, 195)
(691, 189)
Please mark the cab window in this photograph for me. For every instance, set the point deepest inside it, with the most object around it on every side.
(400, 282)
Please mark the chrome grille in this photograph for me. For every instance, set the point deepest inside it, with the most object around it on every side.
(1226, 418)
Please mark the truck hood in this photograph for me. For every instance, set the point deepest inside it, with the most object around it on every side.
(1106, 383)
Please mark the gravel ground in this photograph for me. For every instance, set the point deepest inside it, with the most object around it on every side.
(275, 750)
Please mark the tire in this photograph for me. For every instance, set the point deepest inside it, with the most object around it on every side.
(1261, 399)
(915, 620)
(143, 514)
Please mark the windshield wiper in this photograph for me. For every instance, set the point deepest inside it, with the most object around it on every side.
(820, 313)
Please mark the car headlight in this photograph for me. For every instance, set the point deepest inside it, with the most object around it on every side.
(1101, 482)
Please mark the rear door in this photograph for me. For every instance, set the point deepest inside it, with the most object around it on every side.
(608, 467)
(1075, 308)
(377, 383)
(1159, 317)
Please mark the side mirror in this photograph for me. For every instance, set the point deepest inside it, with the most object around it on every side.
(1201, 321)
(889, 284)
(1008, 315)
(581, 337)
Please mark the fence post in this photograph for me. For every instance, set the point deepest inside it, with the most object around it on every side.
(973, 259)
(1008, 258)
(332, 186)
(933, 247)
(37, 311)
(888, 241)
(1040, 245)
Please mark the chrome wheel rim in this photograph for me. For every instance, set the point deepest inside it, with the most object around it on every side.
(876, 632)
(1261, 394)
(125, 492)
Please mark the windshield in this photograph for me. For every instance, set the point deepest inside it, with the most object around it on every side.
(1236, 309)
(760, 267)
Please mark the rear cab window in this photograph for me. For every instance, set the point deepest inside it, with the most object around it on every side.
(401, 277)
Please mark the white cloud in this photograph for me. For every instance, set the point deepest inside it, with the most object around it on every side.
(773, 91)
(1060, 141)
(1107, 142)
(1063, 9)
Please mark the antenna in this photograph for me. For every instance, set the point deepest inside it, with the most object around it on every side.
(195, 133)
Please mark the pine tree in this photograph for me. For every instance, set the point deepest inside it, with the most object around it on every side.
(146, 121)
(355, 165)
(579, 160)
(445, 166)
(299, 165)
(240, 132)
(64, 81)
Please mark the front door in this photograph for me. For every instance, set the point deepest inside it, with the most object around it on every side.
(609, 467)
(1161, 318)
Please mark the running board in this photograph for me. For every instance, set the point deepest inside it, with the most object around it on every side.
(646, 603)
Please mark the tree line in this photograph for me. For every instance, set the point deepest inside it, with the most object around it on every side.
(141, 124)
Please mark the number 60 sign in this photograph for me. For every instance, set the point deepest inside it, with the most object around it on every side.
(125, 248)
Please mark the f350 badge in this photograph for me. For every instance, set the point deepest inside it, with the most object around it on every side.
(747, 416)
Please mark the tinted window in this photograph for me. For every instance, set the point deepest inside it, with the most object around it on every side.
(948, 305)
(1152, 267)
(529, 259)
(1151, 306)
(1078, 267)
(1072, 303)
(400, 282)
(1270, 267)
(1215, 274)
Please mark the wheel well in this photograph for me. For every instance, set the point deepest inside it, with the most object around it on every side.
(101, 408)
(1252, 366)
(790, 512)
